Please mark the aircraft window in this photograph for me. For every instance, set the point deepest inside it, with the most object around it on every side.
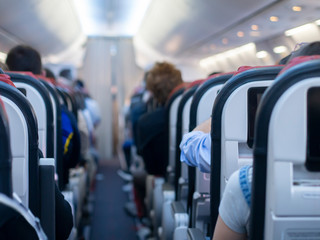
(23, 90)
(313, 129)
(254, 97)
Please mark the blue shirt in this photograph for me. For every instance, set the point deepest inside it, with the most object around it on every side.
(196, 150)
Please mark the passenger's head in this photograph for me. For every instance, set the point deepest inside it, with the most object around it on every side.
(49, 74)
(66, 73)
(24, 58)
(161, 79)
(307, 50)
(78, 83)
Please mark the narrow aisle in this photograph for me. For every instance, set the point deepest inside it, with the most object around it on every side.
(109, 220)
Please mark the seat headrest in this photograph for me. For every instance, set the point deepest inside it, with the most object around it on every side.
(195, 83)
(219, 75)
(177, 88)
(298, 60)
(49, 80)
(6, 79)
(245, 68)
(24, 73)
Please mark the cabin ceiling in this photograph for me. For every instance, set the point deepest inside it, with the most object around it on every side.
(49, 26)
(178, 30)
(195, 29)
(111, 18)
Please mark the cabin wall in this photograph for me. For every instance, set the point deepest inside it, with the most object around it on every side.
(110, 74)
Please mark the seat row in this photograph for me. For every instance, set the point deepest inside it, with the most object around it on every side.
(260, 118)
(33, 105)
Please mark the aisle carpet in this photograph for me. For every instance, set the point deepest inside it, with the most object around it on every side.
(109, 220)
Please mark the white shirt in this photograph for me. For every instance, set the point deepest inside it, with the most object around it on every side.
(233, 209)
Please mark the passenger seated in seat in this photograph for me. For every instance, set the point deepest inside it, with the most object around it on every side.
(234, 209)
(152, 129)
(25, 58)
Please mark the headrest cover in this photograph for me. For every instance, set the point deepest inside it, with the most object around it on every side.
(218, 75)
(23, 73)
(245, 68)
(49, 80)
(195, 83)
(177, 88)
(6, 79)
(298, 60)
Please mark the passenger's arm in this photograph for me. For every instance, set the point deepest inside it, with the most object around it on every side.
(204, 127)
(234, 212)
(222, 232)
(195, 147)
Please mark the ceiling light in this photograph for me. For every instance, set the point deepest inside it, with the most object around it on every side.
(3, 56)
(317, 22)
(127, 20)
(274, 19)
(280, 49)
(240, 34)
(296, 8)
(209, 61)
(261, 54)
(225, 41)
(297, 30)
(254, 27)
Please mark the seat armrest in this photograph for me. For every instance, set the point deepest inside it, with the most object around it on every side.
(47, 196)
(177, 207)
(180, 215)
(195, 234)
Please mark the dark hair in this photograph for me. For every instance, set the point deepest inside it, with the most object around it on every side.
(284, 61)
(24, 58)
(307, 50)
(78, 83)
(66, 73)
(49, 73)
(213, 73)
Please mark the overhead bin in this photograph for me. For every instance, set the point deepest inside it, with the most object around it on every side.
(55, 23)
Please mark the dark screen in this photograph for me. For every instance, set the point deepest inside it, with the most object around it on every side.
(254, 97)
(23, 90)
(313, 129)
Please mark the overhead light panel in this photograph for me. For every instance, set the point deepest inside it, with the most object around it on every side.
(225, 41)
(240, 34)
(213, 46)
(317, 22)
(274, 19)
(125, 16)
(3, 57)
(297, 30)
(280, 49)
(209, 61)
(262, 54)
(296, 8)
(254, 27)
